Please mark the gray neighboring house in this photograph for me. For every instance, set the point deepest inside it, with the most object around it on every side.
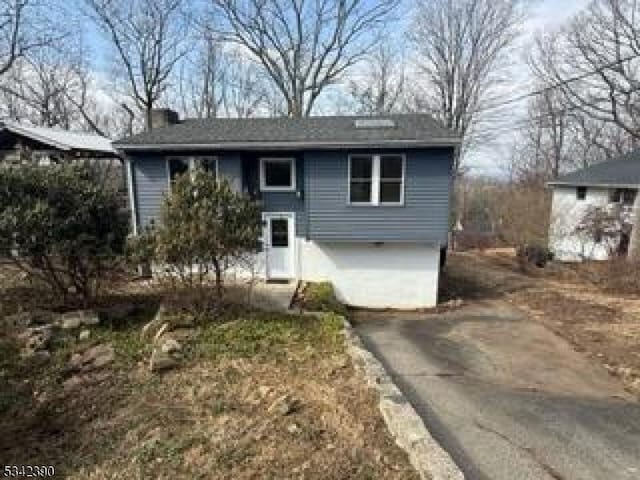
(608, 185)
(362, 202)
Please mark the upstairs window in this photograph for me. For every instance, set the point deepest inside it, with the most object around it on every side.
(581, 193)
(177, 166)
(376, 179)
(361, 179)
(277, 174)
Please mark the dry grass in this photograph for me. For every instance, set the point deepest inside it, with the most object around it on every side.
(566, 298)
(210, 417)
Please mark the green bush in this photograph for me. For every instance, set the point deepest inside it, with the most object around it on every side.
(60, 225)
(205, 227)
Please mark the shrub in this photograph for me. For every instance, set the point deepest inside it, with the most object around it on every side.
(60, 225)
(205, 227)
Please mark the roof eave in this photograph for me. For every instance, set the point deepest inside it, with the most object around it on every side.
(592, 184)
(257, 146)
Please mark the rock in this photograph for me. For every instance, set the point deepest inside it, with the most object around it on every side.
(84, 379)
(84, 335)
(170, 345)
(93, 358)
(161, 331)
(28, 319)
(38, 357)
(284, 405)
(77, 319)
(36, 338)
(161, 361)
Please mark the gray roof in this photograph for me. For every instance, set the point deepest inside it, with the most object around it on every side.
(284, 132)
(621, 172)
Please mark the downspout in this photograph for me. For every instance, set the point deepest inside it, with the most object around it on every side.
(131, 192)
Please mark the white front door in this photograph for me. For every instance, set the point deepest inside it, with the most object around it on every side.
(279, 245)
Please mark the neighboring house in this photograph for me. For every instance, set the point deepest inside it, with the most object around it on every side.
(21, 143)
(362, 202)
(610, 188)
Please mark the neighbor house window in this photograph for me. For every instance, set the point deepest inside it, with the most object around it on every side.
(581, 193)
(376, 179)
(625, 196)
(277, 174)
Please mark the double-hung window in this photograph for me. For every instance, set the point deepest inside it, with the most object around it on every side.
(376, 179)
(180, 165)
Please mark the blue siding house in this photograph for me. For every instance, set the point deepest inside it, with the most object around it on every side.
(362, 202)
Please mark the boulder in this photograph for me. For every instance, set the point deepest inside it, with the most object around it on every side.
(93, 358)
(161, 361)
(78, 318)
(170, 345)
(84, 335)
(36, 338)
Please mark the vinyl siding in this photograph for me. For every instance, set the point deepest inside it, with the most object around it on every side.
(289, 201)
(150, 186)
(424, 217)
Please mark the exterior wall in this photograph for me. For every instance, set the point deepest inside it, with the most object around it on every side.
(150, 185)
(392, 275)
(289, 201)
(566, 214)
(151, 181)
(424, 217)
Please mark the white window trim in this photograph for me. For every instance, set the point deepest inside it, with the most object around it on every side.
(191, 160)
(375, 181)
(264, 187)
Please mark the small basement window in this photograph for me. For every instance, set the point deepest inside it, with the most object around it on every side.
(277, 174)
(581, 193)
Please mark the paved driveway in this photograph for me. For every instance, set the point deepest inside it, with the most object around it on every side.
(506, 397)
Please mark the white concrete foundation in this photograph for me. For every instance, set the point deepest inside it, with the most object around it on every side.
(389, 275)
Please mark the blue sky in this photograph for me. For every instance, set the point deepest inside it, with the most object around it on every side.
(544, 15)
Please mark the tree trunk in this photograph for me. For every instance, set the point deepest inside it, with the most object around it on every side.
(634, 242)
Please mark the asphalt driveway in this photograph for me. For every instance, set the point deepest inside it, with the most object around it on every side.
(507, 398)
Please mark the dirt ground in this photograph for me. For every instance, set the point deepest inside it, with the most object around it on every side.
(603, 325)
(212, 417)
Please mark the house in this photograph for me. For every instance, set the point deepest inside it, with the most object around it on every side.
(21, 143)
(610, 188)
(362, 202)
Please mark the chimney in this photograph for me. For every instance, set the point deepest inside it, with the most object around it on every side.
(163, 117)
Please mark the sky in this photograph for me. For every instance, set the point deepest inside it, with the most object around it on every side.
(546, 15)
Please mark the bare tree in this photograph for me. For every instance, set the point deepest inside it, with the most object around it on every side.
(304, 46)
(52, 85)
(461, 48)
(594, 62)
(383, 82)
(149, 38)
(24, 27)
(216, 81)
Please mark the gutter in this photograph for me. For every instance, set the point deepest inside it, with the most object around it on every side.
(595, 185)
(261, 146)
